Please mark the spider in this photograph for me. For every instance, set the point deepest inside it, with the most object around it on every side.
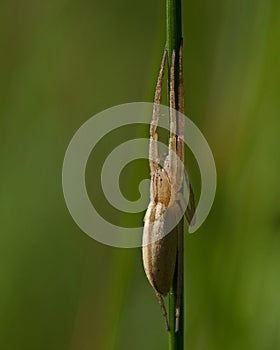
(162, 247)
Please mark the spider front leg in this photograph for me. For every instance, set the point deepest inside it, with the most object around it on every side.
(153, 149)
(180, 122)
(170, 163)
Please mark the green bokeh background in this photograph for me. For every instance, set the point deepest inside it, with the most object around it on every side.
(63, 61)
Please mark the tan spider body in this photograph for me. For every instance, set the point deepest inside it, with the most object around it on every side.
(166, 199)
(160, 267)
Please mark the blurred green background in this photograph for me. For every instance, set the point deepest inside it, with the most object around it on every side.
(63, 61)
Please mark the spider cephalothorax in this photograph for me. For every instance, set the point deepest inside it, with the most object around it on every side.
(161, 187)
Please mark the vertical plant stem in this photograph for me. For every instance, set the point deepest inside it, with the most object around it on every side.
(174, 27)
(174, 36)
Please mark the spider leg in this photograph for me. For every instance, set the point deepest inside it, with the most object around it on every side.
(179, 278)
(163, 310)
(181, 81)
(180, 122)
(171, 161)
(190, 210)
(153, 149)
(187, 208)
(181, 172)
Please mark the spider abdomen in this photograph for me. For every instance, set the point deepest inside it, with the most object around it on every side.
(159, 246)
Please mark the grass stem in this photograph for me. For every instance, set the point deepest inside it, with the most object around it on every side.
(174, 37)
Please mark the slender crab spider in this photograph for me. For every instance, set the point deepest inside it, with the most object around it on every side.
(162, 241)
